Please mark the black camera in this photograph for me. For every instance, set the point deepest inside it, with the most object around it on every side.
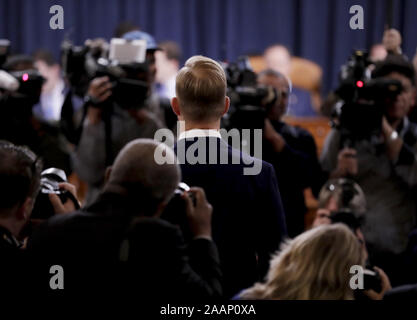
(359, 114)
(249, 100)
(81, 64)
(24, 90)
(372, 279)
(175, 211)
(50, 180)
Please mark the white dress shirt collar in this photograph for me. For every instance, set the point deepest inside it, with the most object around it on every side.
(199, 133)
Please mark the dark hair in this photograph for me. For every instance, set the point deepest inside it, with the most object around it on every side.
(124, 27)
(271, 73)
(171, 49)
(18, 62)
(395, 63)
(20, 172)
(45, 56)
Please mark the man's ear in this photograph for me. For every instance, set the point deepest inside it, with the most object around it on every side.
(176, 106)
(107, 174)
(25, 209)
(226, 105)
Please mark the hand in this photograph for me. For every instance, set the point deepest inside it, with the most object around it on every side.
(199, 216)
(392, 41)
(385, 286)
(347, 163)
(99, 90)
(273, 136)
(68, 206)
(393, 145)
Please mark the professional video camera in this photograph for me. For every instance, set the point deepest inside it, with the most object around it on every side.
(364, 100)
(18, 88)
(249, 100)
(124, 63)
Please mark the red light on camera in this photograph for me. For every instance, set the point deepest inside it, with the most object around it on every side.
(25, 77)
(359, 84)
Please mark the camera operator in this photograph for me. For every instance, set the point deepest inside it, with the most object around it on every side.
(120, 238)
(20, 175)
(293, 153)
(385, 166)
(18, 123)
(138, 121)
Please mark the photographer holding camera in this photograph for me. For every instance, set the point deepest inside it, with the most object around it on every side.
(18, 123)
(120, 243)
(20, 181)
(293, 153)
(384, 164)
(108, 125)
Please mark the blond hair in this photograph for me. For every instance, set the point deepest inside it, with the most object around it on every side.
(313, 266)
(201, 89)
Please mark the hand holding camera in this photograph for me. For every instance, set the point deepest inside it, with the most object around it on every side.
(385, 286)
(198, 213)
(68, 205)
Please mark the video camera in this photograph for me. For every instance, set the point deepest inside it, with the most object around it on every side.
(18, 87)
(249, 100)
(124, 63)
(363, 100)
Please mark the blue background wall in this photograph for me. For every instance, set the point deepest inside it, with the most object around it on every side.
(222, 29)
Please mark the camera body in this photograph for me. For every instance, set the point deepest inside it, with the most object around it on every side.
(175, 211)
(363, 100)
(249, 100)
(50, 179)
(18, 88)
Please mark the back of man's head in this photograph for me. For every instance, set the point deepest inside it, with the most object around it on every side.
(136, 171)
(171, 49)
(395, 63)
(201, 89)
(19, 176)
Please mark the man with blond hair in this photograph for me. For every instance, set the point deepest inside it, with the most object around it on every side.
(248, 218)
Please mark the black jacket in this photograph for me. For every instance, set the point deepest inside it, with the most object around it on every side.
(248, 218)
(91, 247)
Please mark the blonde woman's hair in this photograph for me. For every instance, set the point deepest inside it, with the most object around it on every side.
(313, 266)
(201, 89)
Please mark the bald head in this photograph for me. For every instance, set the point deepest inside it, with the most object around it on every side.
(135, 169)
(278, 58)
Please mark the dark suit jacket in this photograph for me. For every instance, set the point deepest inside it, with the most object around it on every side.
(156, 264)
(248, 218)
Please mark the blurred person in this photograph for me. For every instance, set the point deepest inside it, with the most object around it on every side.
(248, 217)
(19, 125)
(293, 153)
(167, 63)
(97, 146)
(20, 181)
(339, 194)
(385, 166)
(314, 266)
(377, 53)
(124, 27)
(278, 58)
(53, 95)
(120, 245)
